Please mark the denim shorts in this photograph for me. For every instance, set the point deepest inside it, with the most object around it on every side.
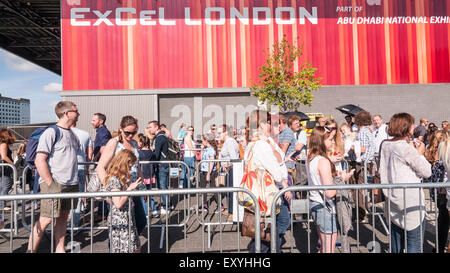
(326, 221)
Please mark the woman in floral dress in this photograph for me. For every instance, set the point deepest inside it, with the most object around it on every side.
(123, 235)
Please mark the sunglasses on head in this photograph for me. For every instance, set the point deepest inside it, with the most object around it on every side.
(329, 129)
(129, 133)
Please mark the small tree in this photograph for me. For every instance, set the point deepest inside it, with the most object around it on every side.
(279, 85)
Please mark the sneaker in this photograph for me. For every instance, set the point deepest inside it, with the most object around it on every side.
(155, 213)
(203, 208)
(163, 211)
(180, 186)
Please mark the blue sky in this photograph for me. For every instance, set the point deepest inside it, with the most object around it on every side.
(21, 78)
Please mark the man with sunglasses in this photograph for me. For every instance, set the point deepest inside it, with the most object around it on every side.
(57, 165)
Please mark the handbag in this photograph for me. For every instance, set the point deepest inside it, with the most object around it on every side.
(261, 184)
(248, 227)
(94, 184)
(220, 179)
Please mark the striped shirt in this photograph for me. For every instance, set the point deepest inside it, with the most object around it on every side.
(366, 139)
(288, 136)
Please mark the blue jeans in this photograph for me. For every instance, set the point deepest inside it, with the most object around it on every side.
(163, 176)
(139, 214)
(283, 222)
(190, 161)
(413, 238)
(229, 183)
(5, 185)
(283, 218)
(36, 187)
(152, 202)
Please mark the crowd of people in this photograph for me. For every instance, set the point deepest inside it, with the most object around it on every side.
(395, 152)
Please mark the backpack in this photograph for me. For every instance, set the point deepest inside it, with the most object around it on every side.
(33, 142)
(173, 148)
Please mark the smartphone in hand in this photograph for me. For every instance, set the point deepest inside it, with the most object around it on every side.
(294, 155)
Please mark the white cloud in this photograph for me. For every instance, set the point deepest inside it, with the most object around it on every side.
(16, 63)
(53, 87)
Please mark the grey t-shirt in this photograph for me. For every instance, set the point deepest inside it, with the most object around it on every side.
(230, 149)
(420, 131)
(62, 156)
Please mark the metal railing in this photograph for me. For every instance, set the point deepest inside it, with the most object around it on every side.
(203, 216)
(165, 226)
(15, 183)
(388, 187)
(132, 194)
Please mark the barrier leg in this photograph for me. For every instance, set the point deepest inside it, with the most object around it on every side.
(161, 241)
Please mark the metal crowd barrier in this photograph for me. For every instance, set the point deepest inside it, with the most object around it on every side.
(24, 179)
(15, 183)
(87, 174)
(164, 226)
(389, 187)
(130, 194)
(203, 216)
(373, 211)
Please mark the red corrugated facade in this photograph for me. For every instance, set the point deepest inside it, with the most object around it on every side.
(411, 45)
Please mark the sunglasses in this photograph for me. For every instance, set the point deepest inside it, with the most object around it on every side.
(129, 133)
(74, 111)
(329, 129)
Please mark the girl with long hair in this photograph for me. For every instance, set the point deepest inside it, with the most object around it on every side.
(336, 155)
(321, 171)
(7, 139)
(208, 170)
(189, 157)
(118, 178)
(444, 157)
(438, 175)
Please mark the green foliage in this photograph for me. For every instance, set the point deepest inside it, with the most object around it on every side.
(279, 85)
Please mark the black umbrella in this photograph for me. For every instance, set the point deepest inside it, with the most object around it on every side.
(302, 115)
(350, 109)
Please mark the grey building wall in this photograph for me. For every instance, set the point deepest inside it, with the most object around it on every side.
(201, 108)
(143, 107)
(420, 100)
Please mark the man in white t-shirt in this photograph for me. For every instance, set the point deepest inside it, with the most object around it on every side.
(379, 132)
(84, 154)
(230, 150)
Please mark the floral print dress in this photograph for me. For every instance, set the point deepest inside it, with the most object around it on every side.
(121, 240)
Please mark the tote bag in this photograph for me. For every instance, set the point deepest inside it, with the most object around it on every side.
(261, 184)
